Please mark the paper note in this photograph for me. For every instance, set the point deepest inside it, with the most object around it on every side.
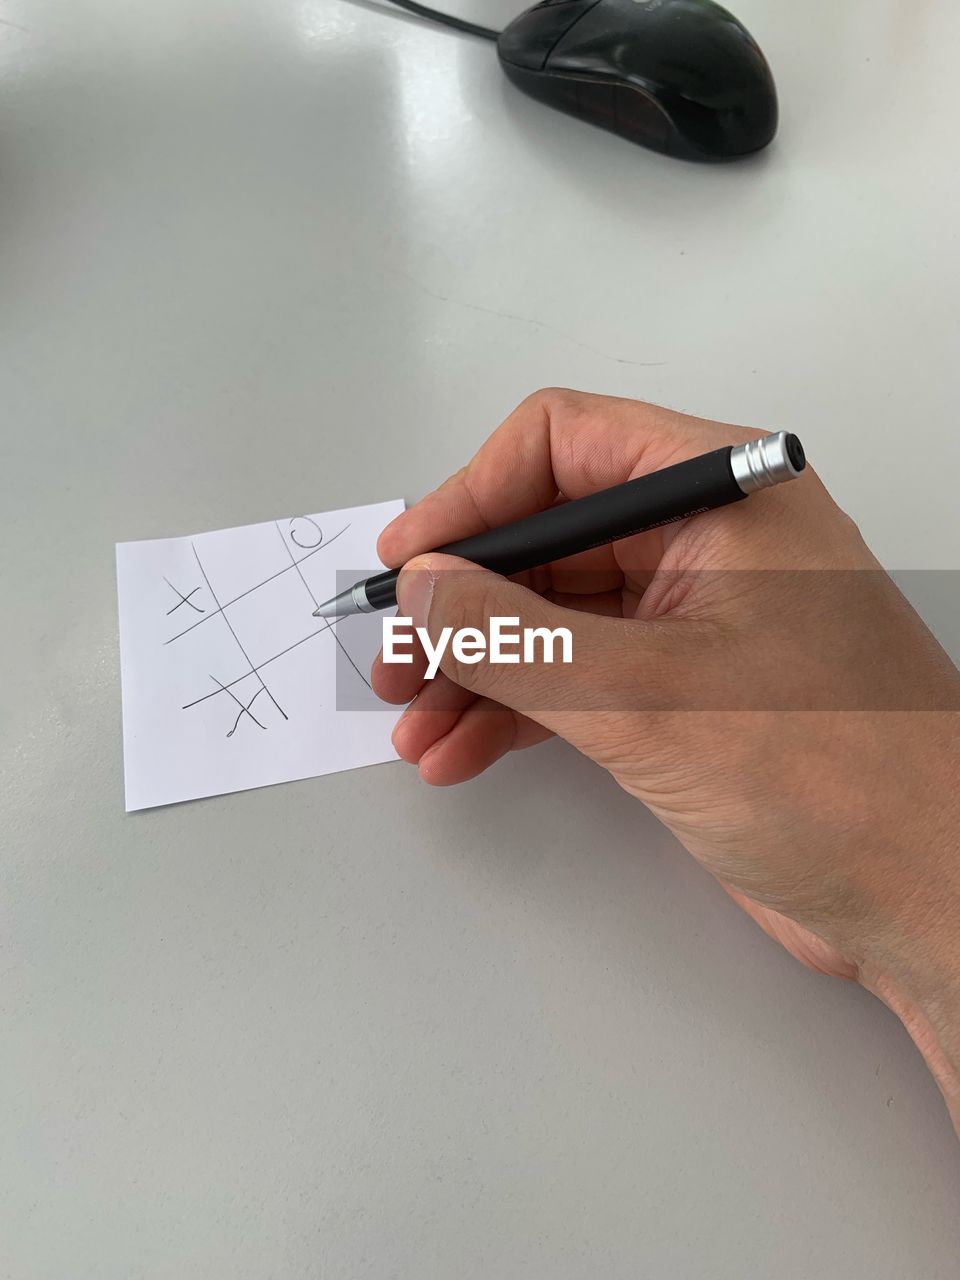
(228, 680)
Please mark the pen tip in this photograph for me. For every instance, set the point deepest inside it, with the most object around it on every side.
(329, 608)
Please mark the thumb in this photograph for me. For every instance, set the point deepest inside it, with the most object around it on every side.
(572, 684)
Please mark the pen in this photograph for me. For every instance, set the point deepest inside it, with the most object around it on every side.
(685, 489)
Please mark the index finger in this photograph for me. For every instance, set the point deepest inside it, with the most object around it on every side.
(556, 445)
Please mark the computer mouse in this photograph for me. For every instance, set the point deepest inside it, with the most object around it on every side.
(683, 77)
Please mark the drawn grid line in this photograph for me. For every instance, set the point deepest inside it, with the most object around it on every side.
(316, 604)
(257, 669)
(256, 587)
(253, 669)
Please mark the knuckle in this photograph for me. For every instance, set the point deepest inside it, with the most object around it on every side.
(552, 400)
(453, 480)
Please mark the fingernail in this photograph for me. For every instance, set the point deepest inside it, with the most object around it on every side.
(415, 591)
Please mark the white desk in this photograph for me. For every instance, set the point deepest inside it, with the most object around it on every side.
(511, 1033)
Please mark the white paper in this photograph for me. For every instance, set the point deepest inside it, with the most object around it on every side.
(228, 680)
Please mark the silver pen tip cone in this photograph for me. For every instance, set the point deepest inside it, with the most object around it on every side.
(339, 607)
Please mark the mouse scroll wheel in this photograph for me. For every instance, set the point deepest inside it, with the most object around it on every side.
(530, 39)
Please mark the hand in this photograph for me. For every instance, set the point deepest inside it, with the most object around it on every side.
(751, 675)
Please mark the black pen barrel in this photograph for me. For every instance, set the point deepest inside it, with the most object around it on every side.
(685, 489)
(700, 484)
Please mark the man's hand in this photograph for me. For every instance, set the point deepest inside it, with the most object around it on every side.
(750, 674)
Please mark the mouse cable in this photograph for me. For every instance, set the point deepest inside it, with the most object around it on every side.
(459, 24)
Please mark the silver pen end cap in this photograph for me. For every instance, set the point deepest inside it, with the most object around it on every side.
(768, 461)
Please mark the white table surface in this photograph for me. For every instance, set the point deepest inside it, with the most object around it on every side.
(262, 256)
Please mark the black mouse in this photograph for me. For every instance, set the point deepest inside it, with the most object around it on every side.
(680, 76)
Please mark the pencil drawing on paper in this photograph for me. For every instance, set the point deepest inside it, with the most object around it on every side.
(228, 680)
(302, 538)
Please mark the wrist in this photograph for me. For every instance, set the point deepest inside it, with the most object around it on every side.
(928, 1005)
(916, 969)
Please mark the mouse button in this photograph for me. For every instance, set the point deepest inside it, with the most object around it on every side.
(527, 41)
(600, 41)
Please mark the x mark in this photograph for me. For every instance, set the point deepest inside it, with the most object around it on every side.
(244, 707)
(184, 599)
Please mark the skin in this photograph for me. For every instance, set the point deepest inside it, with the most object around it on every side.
(750, 675)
